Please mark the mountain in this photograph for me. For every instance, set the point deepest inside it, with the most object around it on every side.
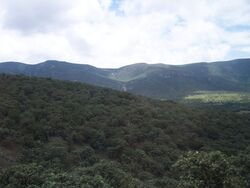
(158, 81)
(175, 82)
(62, 71)
(64, 134)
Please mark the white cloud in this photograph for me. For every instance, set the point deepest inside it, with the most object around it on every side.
(245, 49)
(83, 31)
(33, 16)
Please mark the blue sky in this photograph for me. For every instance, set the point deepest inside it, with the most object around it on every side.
(115, 4)
(113, 33)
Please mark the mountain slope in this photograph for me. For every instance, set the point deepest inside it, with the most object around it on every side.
(64, 134)
(63, 71)
(175, 82)
(157, 81)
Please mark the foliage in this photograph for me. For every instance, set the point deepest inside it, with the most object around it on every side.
(64, 134)
(207, 170)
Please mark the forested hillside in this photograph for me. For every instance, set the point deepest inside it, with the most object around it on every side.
(159, 81)
(56, 134)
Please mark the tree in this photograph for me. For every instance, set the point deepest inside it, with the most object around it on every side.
(207, 170)
(22, 176)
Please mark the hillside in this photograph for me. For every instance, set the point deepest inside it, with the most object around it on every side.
(64, 134)
(176, 82)
(63, 71)
(158, 81)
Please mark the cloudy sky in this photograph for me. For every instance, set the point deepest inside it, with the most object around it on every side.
(113, 33)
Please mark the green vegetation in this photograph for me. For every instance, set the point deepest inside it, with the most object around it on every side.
(214, 169)
(223, 100)
(219, 97)
(56, 134)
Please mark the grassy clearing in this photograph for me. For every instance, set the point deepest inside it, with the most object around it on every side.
(219, 97)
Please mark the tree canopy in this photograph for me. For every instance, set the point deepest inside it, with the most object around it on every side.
(64, 134)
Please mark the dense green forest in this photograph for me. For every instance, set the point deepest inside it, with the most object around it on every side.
(57, 134)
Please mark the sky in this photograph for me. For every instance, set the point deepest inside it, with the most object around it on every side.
(114, 33)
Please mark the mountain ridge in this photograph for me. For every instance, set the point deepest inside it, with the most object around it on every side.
(160, 81)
